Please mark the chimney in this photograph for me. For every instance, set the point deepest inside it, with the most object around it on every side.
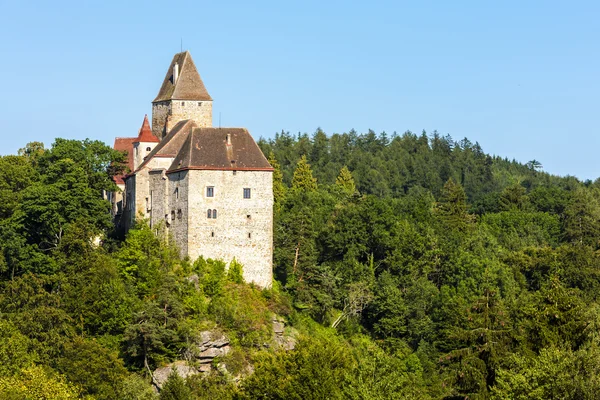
(175, 73)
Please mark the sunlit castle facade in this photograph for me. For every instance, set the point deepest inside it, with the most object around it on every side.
(211, 189)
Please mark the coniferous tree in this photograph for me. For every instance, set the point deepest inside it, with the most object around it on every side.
(278, 186)
(345, 181)
(175, 388)
(303, 179)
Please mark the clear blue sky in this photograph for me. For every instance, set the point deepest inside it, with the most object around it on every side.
(519, 77)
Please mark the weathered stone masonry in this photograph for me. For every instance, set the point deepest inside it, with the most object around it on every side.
(180, 157)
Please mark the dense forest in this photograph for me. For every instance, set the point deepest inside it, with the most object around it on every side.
(407, 267)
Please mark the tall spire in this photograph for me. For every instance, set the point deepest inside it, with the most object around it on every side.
(182, 81)
(145, 134)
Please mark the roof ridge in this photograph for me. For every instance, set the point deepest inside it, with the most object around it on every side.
(145, 134)
(189, 84)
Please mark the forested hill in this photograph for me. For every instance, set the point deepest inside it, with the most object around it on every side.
(407, 267)
(389, 166)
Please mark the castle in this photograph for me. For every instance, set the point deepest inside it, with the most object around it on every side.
(210, 188)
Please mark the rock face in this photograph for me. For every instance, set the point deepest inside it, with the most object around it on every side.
(181, 367)
(199, 359)
(209, 346)
(287, 342)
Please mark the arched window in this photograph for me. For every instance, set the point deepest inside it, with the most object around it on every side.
(209, 213)
(214, 213)
(148, 149)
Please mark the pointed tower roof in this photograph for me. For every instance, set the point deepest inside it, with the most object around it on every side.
(145, 134)
(189, 85)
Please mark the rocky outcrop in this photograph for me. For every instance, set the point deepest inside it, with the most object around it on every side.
(209, 346)
(287, 342)
(181, 367)
(199, 358)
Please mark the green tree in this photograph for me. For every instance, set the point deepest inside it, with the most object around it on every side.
(582, 219)
(303, 177)
(345, 181)
(36, 383)
(175, 388)
(278, 185)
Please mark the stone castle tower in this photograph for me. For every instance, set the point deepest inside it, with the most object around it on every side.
(210, 188)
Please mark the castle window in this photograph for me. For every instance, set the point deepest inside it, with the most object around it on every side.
(215, 214)
(212, 234)
(176, 193)
(210, 191)
(246, 193)
(173, 215)
(249, 235)
(209, 213)
(148, 149)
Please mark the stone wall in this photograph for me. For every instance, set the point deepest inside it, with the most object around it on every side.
(199, 111)
(140, 152)
(243, 228)
(166, 114)
(178, 206)
(160, 111)
(158, 205)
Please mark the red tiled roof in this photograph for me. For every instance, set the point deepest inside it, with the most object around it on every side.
(124, 144)
(145, 134)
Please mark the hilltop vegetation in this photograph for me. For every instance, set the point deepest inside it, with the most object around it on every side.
(409, 266)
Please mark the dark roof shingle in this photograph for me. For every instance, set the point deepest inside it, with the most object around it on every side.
(189, 85)
(208, 148)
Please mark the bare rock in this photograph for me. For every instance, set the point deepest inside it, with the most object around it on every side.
(193, 279)
(278, 327)
(181, 368)
(211, 344)
(205, 368)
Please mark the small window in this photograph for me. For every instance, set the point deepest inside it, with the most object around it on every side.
(210, 191)
(199, 103)
(212, 234)
(148, 149)
(249, 216)
(234, 172)
(209, 213)
(183, 103)
(173, 215)
(176, 193)
(246, 193)
(214, 214)
(179, 213)
(249, 235)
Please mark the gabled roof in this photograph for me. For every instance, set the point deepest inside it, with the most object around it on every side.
(207, 148)
(189, 85)
(171, 144)
(145, 134)
(124, 144)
